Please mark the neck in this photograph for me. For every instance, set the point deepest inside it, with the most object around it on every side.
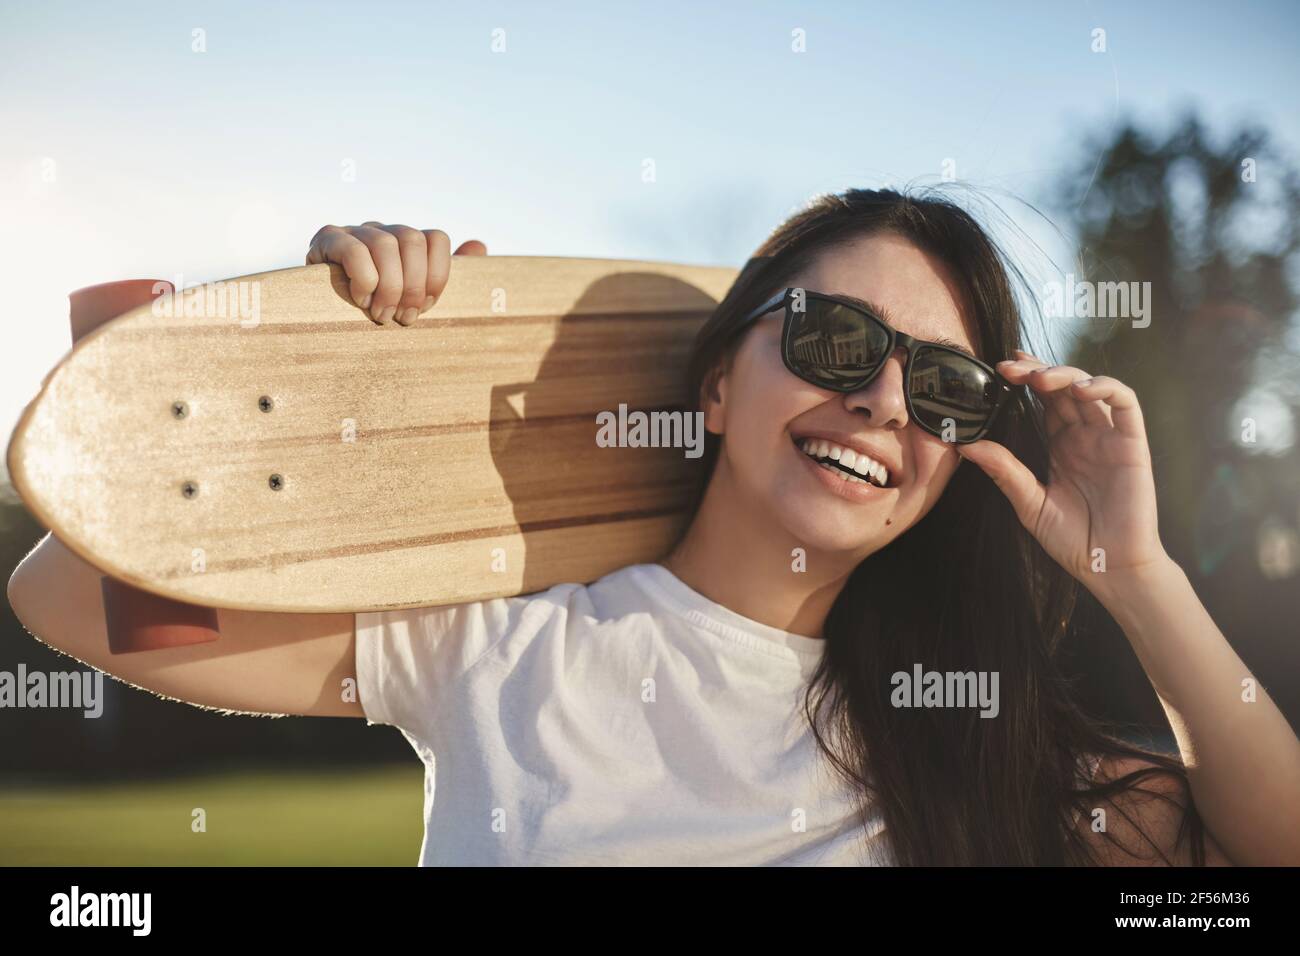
(751, 568)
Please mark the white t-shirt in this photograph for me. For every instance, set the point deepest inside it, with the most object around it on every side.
(627, 721)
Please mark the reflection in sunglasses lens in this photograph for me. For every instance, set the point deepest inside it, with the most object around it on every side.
(950, 391)
(833, 344)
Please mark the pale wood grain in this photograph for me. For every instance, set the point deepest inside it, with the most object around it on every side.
(442, 471)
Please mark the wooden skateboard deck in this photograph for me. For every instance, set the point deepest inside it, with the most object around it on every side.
(260, 444)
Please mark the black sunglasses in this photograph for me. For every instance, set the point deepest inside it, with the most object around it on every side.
(836, 344)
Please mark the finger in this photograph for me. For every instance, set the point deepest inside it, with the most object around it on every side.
(1061, 409)
(415, 267)
(1094, 413)
(1053, 383)
(1025, 492)
(1122, 400)
(471, 247)
(1070, 401)
(1045, 378)
(438, 244)
(387, 256)
(353, 255)
(314, 255)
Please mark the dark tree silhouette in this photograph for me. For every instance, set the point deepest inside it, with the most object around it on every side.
(1213, 229)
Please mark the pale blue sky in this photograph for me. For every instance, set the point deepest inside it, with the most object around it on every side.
(126, 154)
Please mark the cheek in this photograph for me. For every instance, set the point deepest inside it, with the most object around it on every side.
(754, 435)
(763, 397)
(935, 464)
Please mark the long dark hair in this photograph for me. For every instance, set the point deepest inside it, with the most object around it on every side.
(965, 589)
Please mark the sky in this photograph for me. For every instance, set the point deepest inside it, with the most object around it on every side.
(211, 140)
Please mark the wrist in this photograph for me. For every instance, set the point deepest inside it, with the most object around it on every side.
(1125, 592)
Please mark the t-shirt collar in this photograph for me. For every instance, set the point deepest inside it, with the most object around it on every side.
(695, 605)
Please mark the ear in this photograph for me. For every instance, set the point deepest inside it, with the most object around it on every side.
(713, 395)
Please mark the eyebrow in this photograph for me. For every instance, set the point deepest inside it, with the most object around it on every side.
(889, 317)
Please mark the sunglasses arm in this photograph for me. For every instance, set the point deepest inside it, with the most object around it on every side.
(766, 307)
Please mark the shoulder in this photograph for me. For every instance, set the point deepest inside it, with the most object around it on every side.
(453, 637)
(1143, 821)
(410, 660)
(441, 641)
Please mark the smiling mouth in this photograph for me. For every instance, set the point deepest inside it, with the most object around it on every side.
(844, 463)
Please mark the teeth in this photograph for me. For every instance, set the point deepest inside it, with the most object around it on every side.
(845, 476)
(872, 471)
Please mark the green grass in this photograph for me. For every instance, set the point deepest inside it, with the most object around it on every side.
(366, 817)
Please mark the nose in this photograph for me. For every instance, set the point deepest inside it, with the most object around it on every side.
(882, 398)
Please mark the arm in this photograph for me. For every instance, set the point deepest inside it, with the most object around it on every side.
(1096, 517)
(264, 663)
(1242, 758)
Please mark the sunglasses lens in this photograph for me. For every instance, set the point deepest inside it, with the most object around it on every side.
(952, 395)
(832, 345)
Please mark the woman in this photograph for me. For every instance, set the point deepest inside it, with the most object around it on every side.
(850, 655)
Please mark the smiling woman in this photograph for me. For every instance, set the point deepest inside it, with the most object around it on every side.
(798, 587)
(944, 568)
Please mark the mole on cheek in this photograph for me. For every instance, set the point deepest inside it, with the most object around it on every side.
(889, 521)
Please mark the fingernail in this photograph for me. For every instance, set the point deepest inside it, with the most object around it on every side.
(365, 303)
(1006, 362)
(428, 304)
(1083, 382)
(409, 315)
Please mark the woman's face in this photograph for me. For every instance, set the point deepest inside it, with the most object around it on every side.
(762, 410)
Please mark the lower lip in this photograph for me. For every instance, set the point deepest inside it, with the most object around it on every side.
(848, 490)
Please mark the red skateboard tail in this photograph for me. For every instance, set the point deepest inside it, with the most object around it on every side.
(136, 619)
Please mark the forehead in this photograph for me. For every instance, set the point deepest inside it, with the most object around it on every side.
(914, 291)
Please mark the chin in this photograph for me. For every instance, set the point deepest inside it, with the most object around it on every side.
(818, 528)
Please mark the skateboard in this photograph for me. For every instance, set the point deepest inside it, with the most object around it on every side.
(260, 444)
